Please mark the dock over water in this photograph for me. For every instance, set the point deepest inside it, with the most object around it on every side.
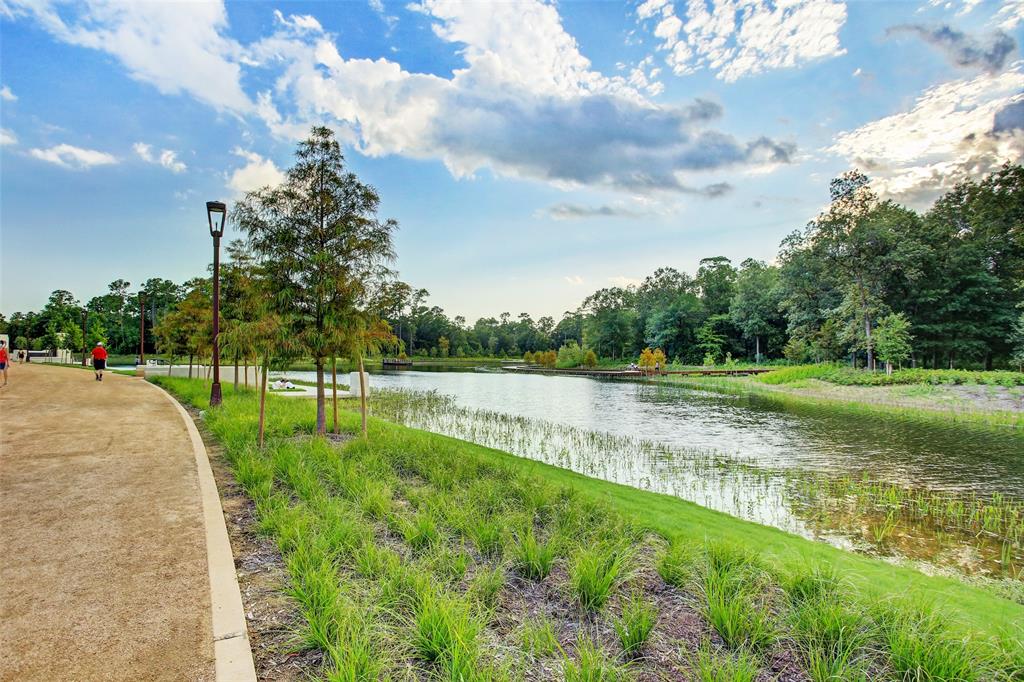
(637, 373)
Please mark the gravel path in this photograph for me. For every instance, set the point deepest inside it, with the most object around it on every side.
(103, 573)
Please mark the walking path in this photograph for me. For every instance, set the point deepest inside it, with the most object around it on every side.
(104, 546)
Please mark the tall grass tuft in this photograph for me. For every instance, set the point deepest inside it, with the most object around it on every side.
(710, 665)
(533, 558)
(590, 665)
(595, 572)
(635, 624)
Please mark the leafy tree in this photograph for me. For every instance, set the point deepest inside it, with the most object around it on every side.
(716, 280)
(570, 355)
(589, 359)
(755, 306)
(893, 340)
(321, 243)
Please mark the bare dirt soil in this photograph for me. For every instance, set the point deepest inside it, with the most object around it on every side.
(104, 573)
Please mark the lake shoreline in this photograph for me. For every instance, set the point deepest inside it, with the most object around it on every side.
(965, 403)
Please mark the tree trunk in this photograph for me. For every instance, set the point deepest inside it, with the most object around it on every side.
(362, 393)
(334, 391)
(263, 399)
(321, 418)
(236, 372)
(170, 366)
(190, 365)
(757, 347)
(245, 368)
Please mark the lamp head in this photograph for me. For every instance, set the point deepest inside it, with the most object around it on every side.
(217, 213)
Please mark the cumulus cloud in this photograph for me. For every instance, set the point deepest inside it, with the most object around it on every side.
(256, 173)
(961, 49)
(531, 108)
(176, 47)
(75, 158)
(737, 38)
(7, 137)
(526, 104)
(6, 94)
(955, 130)
(167, 158)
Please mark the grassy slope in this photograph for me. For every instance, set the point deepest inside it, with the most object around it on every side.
(883, 405)
(969, 607)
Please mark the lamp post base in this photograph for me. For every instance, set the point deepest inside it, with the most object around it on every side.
(215, 397)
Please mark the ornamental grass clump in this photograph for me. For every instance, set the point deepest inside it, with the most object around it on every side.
(591, 664)
(712, 665)
(635, 624)
(595, 572)
(533, 558)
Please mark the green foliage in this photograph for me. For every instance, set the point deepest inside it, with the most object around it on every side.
(590, 664)
(569, 355)
(635, 623)
(533, 558)
(892, 339)
(711, 665)
(589, 358)
(596, 571)
(538, 637)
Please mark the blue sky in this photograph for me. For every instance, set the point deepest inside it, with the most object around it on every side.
(532, 152)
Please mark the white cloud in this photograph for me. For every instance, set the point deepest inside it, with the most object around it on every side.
(7, 95)
(737, 38)
(300, 22)
(1010, 14)
(144, 151)
(955, 130)
(623, 281)
(167, 158)
(378, 7)
(69, 156)
(531, 107)
(574, 280)
(256, 173)
(175, 46)
(7, 137)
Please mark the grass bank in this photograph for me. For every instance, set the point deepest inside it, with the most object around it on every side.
(413, 552)
(929, 402)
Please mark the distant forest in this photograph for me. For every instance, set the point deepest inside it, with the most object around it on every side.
(953, 277)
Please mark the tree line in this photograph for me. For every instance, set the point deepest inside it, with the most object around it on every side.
(942, 288)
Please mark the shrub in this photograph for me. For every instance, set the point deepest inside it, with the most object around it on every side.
(589, 358)
(569, 355)
(528, 357)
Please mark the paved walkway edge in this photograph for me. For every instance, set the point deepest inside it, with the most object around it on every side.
(232, 652)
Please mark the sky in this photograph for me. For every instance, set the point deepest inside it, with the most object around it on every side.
(532, 152)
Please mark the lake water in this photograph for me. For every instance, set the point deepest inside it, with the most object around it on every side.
(685, 442)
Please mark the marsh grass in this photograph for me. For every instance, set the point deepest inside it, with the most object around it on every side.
(596, 571)
(635, 623)
(533, 558)
(538, 637)
(590, 664)
(383, 544)
(711, 665)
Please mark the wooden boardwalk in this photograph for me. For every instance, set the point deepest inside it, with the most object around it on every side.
(637, 373)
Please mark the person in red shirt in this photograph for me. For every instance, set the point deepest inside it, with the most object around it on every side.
(3, 360)
(99, 360)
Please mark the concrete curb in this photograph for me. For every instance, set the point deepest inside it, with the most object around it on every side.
(232, 652)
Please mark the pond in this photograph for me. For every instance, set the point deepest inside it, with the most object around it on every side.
(820, 472)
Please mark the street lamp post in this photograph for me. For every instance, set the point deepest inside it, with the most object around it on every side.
(85, 342)
(216, 213)
(142, 330)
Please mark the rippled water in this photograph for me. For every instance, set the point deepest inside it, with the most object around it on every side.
(753, 428)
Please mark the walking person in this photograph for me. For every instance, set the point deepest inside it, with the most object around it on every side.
(99, 360)
(4, 359)
(21, 357)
